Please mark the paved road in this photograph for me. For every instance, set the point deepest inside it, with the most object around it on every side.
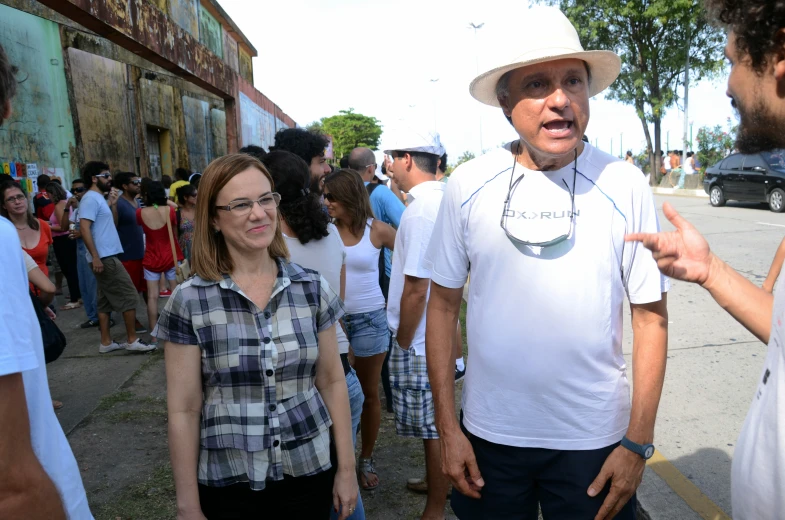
(713, 365)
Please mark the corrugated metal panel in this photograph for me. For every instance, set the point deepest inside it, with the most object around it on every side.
(40, 129)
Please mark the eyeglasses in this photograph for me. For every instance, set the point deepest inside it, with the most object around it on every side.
(243, 207)
(540, 241)
(104, 176)
(15, 198)
(137, 182)
(330, 197)
(78, 190)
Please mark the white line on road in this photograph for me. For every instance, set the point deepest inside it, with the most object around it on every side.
(770, 224)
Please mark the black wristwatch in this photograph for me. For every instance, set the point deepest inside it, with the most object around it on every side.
(644, 450)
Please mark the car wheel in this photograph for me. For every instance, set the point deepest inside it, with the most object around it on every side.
(716, 197)
(777, 200)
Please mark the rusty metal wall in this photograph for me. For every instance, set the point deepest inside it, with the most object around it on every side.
(198, 135)
(218, 129)
(40, 129)
(231, 56)
(101, 96)
(185, 13)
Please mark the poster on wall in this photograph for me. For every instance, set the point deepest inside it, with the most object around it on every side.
(32, 177)
(328, 152)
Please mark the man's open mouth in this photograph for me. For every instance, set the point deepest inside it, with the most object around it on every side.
(558, 128)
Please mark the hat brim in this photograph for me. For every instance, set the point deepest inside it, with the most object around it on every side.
(605, 67)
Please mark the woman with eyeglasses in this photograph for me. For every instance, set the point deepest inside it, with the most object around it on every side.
(363, 236)
(186, 199)
(64, 247)
(254, 380)
(158, 259)
(34, 234)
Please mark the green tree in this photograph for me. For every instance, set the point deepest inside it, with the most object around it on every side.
(465, 157)
(315, 126)
(652, 37)
(714, 144)
(350, 130)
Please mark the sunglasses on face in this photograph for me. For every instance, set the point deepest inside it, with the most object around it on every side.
(78, 190)
(104, 176)
(330, 197)
(137, 182)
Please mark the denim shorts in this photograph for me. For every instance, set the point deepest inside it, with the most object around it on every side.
(151, 276)
(367, 332)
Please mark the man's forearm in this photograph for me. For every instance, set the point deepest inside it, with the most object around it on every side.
(87, 238)
(775, 269)
(649, 357)
(443, 307)
(412, 309)
(748, 304)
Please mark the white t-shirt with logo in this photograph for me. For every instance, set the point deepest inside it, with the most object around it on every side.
(544, 324)
(21, 350)
(758, 469)
(411, 244)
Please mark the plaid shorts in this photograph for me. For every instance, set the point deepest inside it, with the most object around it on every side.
(412, 397)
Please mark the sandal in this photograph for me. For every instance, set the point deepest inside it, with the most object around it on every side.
(365, 467)
(418, 485)
(70, 306)
(56, 404)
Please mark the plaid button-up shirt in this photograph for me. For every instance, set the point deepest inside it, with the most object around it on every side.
(262, 415)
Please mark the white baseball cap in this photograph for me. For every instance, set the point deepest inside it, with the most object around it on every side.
(406, 139)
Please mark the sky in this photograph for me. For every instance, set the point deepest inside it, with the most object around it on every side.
(381, 57)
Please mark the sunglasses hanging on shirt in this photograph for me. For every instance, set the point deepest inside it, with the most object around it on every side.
(537, 228)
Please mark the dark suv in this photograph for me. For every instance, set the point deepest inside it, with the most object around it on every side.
(758, 177)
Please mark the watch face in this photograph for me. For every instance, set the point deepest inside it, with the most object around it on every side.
(649, 452)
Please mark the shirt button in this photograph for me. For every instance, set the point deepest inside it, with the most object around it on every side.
(272, 407)
(267, 314)
(276, 443)
(266, 340)
(269, 372)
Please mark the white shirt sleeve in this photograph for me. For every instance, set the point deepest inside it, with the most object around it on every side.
(416, 237)
(29, 262)
(17, 348)
(644, 282)
(447, 257)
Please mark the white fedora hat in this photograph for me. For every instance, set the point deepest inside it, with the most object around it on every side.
(547, 35)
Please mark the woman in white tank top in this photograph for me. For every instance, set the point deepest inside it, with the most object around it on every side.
(348, 204)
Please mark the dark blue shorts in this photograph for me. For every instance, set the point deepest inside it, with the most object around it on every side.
(518, 479)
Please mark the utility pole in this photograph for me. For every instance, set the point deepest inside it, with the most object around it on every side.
(476, 27)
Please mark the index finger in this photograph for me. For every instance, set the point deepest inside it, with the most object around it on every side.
(649, 240)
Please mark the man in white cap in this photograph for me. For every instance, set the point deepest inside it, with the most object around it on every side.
(415, 156)
(540, 222)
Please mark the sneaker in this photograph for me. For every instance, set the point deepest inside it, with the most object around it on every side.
(165, 294)
(140, 329)
(105, 349)
(459, 374)
(140, 346)
(89, 324)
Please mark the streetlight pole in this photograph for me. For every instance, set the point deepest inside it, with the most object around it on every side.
(687, 94)
(475, 27)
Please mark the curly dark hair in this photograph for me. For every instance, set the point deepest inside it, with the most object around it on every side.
(155, 194)
(301, 209)
(756, 25)
(302, 143)
(7, 81)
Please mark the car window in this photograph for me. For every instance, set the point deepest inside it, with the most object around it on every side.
(752, 161)
(733, 162)
(775, 159)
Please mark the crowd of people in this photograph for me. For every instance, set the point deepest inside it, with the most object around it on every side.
(310, 285)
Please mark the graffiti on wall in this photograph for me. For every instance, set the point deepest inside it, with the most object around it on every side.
(210, 32)
(40, 129)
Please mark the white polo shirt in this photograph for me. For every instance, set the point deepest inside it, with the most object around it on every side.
(544, 325)
(411, 244)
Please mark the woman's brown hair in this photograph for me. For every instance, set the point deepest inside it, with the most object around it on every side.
(32, 221)
(347, 187)
(211, 258)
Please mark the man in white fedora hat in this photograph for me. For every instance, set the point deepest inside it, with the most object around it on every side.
(540, 223)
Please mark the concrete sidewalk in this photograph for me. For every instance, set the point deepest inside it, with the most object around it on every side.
(680, 192)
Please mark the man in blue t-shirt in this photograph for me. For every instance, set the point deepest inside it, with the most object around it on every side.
(116, 291)
(130, 232)
(386, 206)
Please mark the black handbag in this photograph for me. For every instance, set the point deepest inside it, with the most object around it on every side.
(53, 338)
